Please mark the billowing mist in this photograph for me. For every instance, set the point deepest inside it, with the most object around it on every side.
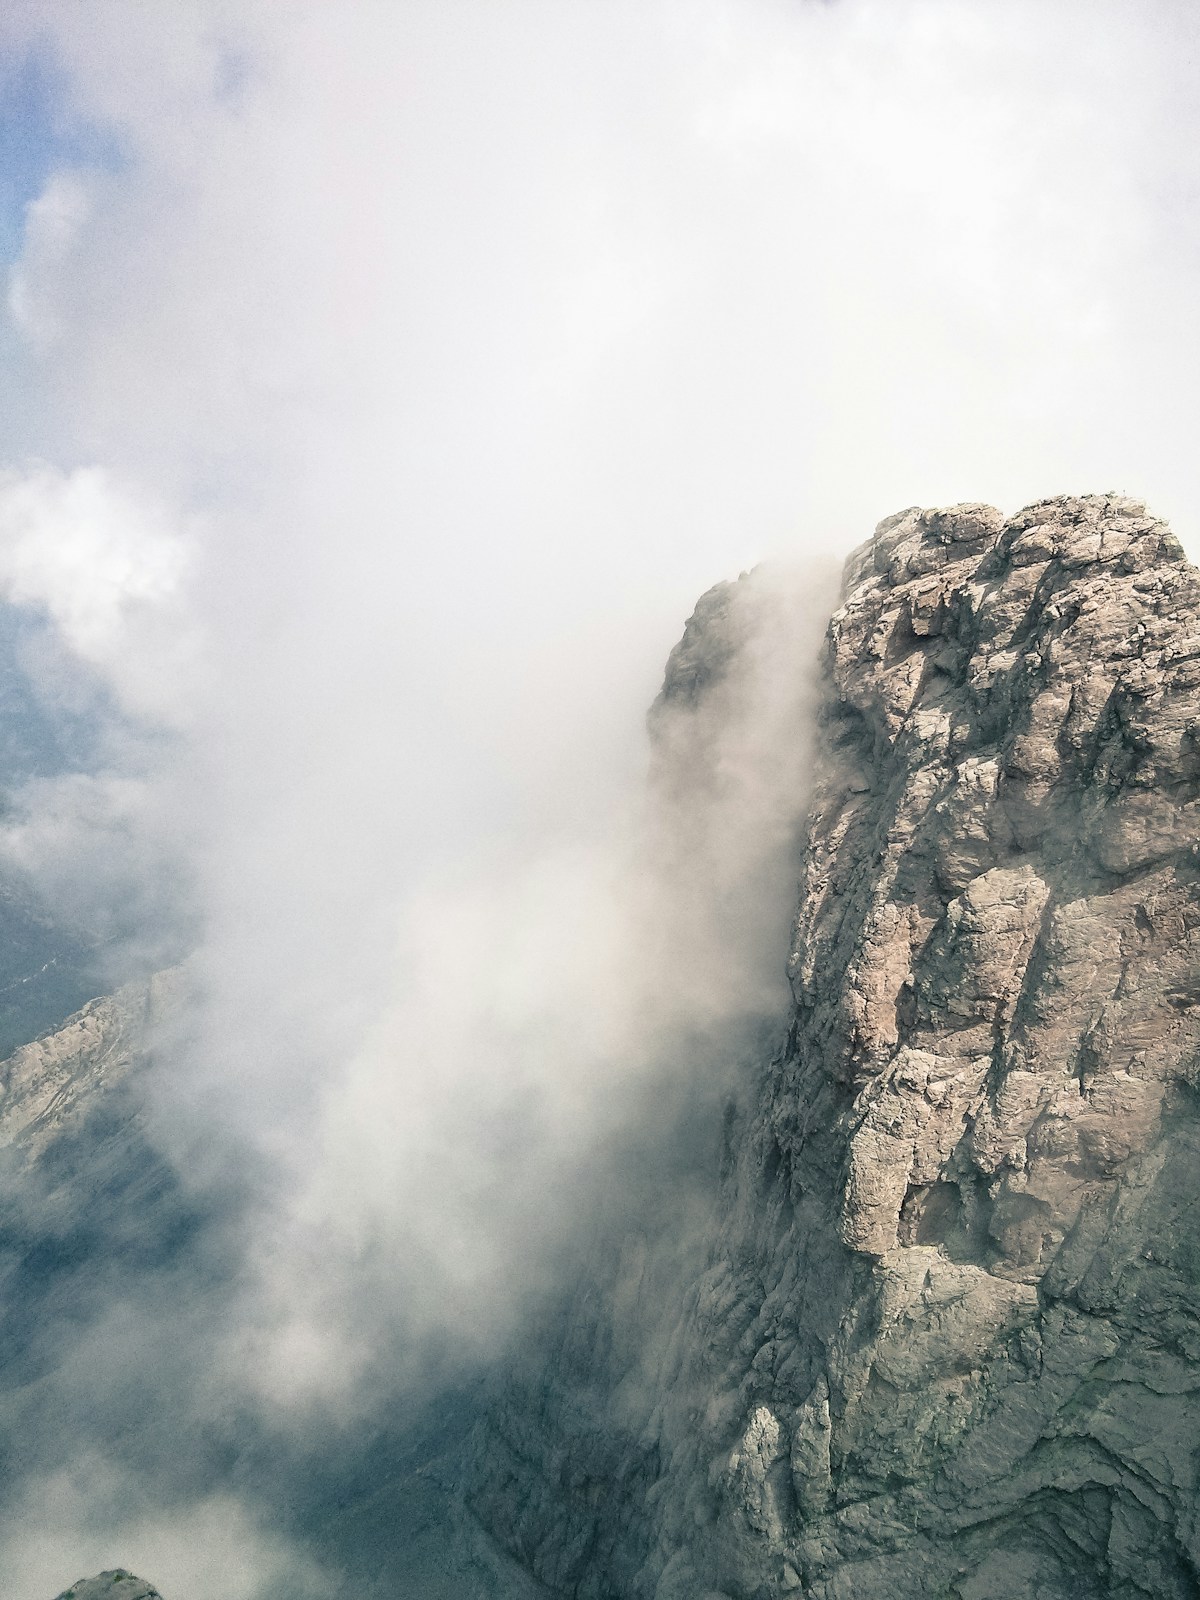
(388, 381)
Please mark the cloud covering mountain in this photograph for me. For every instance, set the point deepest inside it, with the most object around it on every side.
(390, 379)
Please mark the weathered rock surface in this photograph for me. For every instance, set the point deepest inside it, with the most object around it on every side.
(946, 1338)
(115, 1585)
(48, 1086)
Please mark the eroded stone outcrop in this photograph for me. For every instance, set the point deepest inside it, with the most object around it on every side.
(48, 1086)
(116, 1584)
(947, 1339)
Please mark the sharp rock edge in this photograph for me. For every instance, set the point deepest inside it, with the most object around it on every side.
(945, 1335)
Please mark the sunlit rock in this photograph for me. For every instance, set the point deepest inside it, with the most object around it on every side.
(945, 1335)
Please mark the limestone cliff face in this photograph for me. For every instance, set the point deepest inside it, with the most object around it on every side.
(946, 1337)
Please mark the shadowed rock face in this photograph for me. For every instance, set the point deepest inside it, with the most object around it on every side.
(115, 1585)
(945, 1340)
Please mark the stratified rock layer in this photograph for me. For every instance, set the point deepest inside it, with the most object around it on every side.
(48, 1087)
(947, 1341)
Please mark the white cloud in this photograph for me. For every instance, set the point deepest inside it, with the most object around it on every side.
(108, 569)
(96, 1516)
(53, 222)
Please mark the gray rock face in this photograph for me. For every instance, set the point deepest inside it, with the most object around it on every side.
(115, 1585)
(946, 1337)
(47, 1086)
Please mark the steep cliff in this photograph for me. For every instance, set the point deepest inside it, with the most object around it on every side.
(944, 1339)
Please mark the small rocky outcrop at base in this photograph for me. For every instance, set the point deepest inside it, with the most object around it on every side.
(115, 1585)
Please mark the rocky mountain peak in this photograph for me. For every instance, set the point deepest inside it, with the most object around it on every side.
(947, 1338)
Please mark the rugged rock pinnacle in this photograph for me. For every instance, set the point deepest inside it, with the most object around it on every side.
(947, 1341)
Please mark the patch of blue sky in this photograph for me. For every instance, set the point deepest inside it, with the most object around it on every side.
(39, 134)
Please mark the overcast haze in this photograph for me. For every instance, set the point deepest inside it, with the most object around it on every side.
(387, 382)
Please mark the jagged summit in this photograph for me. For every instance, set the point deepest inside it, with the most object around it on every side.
(1074, 523)
(948, 1338)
